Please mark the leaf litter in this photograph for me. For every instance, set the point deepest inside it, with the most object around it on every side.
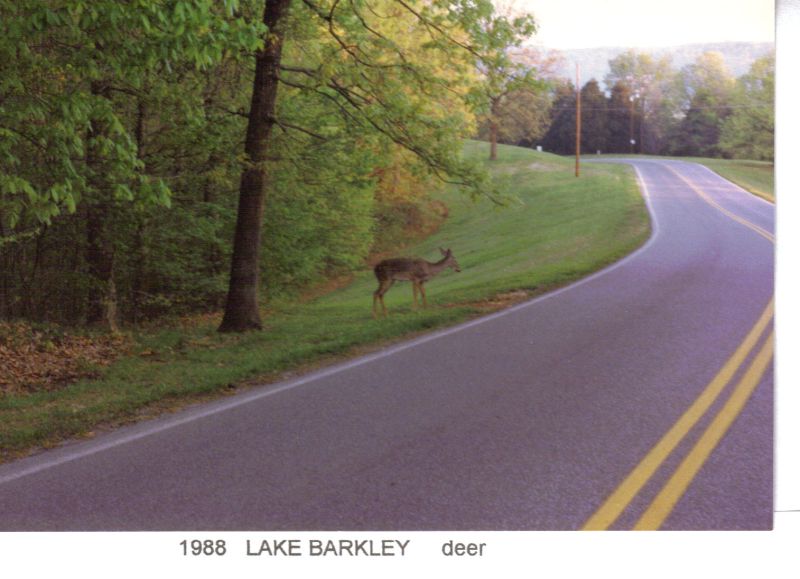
(47, 358)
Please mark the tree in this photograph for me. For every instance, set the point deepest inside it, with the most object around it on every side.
(523, 115)
(707, 74)
(707, 85)
(594, 120)
(749, 131)
(560, 136)
(652, 83)
(522, 119)
(622, 121)
(241, 308)
(699, 131)
(359, 67)
(503, 76)
(73, 72)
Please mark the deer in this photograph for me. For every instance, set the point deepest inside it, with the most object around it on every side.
(412, 269)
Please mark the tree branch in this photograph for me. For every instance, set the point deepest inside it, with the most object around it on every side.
(285, 125)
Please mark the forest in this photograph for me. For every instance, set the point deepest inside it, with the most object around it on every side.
(166, 157)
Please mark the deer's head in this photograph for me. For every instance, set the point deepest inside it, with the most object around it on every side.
(450, 259)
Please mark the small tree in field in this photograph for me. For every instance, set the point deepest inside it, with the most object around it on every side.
(496, 36)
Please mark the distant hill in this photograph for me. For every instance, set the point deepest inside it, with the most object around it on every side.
(594, 61)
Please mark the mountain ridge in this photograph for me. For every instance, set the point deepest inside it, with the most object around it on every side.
(594, 61)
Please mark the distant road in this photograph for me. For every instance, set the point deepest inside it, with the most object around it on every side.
(640, 397)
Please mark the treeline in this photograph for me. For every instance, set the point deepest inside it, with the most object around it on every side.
(651, 108)
(167, 156)
(160, 157)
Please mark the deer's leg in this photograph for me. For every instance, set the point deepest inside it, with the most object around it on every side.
(375, 298)
(378, 296)
(424, 299)
(415, 289)
(388, 284)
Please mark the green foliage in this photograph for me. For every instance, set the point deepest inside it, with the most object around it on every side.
(505, 80)
(699, 131)
(359, 83)
(522, 118)
(318, 223)
(67, 69)
(173, 263)
(707, 85)
(656, 91)
(749, 132)
(391, 72)
(138, 112)
(594, 118)
(560, 136)
(99, 105)
(622, 120)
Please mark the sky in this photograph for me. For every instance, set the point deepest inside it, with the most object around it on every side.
(568, 24)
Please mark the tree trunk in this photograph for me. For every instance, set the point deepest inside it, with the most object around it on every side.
(102, 298)
(241, 307)
(137, 284)
(492, 139)
(102, 308)
(493, 116)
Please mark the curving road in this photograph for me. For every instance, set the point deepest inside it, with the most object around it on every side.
(640, 397)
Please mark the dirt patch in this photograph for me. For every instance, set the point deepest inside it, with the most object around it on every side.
(502, 300)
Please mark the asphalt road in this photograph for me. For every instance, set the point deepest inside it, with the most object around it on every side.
(639, 397)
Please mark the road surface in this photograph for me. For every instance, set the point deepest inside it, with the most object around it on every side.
(640, 397)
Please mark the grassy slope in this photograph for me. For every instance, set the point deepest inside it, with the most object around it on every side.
(561, 228)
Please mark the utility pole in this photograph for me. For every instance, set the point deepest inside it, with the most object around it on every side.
(578, 120)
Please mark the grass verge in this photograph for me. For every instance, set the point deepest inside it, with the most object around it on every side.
(556, 230)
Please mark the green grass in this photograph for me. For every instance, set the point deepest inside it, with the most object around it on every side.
(557, 229)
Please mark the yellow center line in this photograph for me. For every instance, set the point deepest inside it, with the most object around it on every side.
(673, 490)
(705, 197)
(619, 500)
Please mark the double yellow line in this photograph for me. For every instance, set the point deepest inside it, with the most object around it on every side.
(664, 502)
(705, 197)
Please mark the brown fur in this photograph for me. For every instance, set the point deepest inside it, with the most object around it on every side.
(412, 269)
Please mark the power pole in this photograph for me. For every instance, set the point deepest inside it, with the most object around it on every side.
(578, 120)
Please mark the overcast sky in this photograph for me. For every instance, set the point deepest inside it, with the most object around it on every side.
(648, 23)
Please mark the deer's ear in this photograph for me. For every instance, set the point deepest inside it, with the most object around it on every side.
(444, 251)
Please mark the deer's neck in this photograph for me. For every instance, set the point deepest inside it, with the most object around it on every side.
(437, 266)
